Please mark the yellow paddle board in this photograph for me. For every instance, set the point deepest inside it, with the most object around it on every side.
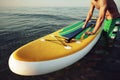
(50, 53)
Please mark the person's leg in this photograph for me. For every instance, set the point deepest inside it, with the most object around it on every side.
(112, 33)
(108, 28)
(107, 24)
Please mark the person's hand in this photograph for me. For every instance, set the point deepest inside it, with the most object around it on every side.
(90, 33)
(83, 26)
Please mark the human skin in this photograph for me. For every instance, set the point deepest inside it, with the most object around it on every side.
(107, 9)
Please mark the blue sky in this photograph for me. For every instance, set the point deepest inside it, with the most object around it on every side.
(47, 3)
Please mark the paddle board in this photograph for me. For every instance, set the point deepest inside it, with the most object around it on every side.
(51, 53)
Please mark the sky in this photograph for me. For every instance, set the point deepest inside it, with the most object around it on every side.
(47, 3)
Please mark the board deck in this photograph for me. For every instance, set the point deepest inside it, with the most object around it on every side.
(48, 47)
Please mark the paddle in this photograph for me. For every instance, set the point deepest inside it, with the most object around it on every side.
(75, 33)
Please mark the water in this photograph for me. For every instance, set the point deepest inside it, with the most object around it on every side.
(19, 26)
